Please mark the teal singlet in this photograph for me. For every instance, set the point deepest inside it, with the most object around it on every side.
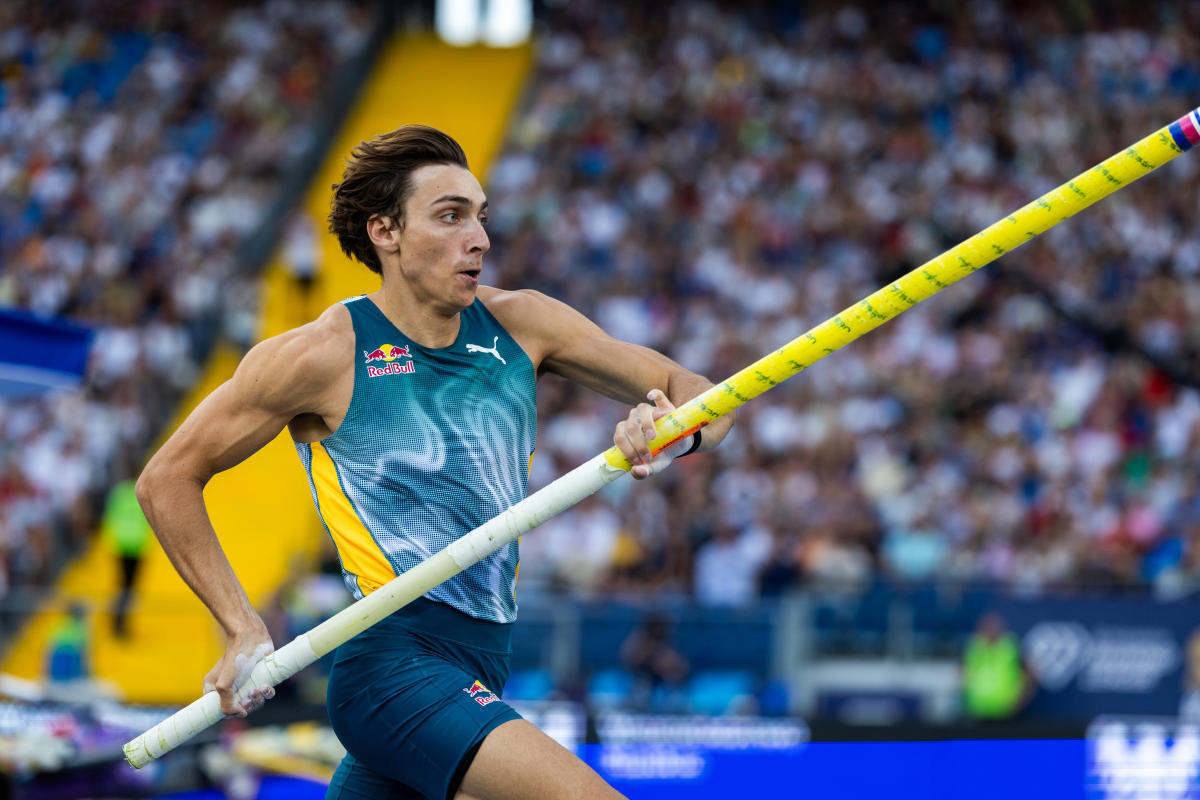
(436, 442)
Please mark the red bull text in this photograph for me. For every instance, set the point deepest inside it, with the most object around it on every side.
(391, 369)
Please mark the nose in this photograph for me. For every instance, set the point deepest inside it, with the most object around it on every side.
(478, 242)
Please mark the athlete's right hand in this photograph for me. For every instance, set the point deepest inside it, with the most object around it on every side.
(243, 649)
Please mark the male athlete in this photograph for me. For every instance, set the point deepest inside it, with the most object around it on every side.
(412, 409)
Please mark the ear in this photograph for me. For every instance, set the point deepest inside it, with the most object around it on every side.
(384, 233)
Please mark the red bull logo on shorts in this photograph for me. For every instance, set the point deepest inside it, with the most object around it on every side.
(481, 693)
(388, 353)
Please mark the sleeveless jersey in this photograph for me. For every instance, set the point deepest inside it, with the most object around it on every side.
(436, 442)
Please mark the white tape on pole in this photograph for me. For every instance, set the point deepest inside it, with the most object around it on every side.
(190, 720)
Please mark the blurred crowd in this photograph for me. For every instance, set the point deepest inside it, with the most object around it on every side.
(707, 179)
(713, 180)
(140, 142)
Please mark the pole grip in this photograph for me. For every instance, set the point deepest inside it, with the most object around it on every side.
(185, 723)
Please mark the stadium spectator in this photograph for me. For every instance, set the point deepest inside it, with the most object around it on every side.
(996, 683)
(68, 657)
(727, 566)
(127, 532)
(301, 256)
(659, 670)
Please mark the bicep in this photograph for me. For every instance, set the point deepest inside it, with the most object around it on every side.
(582, 352)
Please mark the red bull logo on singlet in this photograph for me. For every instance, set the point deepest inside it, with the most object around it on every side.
(480, 693)
(388, 353)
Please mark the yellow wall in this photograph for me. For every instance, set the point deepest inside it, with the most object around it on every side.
(262, 510)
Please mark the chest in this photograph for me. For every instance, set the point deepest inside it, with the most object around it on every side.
(477, 398)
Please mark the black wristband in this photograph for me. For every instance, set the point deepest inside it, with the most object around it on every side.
(695, 445)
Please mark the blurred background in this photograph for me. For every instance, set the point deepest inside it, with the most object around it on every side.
(958, 557)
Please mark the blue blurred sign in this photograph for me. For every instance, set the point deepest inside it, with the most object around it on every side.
(980, 770)
(38, 354)
(1094, 656)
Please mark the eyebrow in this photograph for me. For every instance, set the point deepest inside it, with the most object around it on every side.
(459, 199)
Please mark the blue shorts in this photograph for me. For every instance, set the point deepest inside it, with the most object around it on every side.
(411, 699)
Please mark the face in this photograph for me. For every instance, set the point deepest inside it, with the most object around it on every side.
(438, 252)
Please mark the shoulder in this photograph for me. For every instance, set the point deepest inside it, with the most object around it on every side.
(513, 305)
(301, 361)
(316, 346)
(530, 311)
(539, 323)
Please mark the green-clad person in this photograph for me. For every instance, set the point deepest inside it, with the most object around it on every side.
(67, 649)
(413, 412)
(127, 532)
(996, 684)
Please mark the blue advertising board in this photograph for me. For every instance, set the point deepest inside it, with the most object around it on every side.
(1136, 759)
(1095, 656)
(980, 770)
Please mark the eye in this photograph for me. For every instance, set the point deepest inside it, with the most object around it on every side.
(483, 221)
(450, 216)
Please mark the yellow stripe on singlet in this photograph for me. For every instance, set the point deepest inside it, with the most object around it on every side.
(517, 569)
(356, 547)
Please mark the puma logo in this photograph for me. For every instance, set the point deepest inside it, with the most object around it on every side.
(478, 348)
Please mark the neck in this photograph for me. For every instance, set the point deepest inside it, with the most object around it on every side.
(422, 321)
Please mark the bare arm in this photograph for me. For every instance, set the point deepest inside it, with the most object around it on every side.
(277, 381)
(561, 340)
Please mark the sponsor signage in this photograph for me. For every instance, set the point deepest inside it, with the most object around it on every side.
(1093, 656)
(1143, 759)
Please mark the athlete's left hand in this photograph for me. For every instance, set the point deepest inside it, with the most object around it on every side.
(633, 435)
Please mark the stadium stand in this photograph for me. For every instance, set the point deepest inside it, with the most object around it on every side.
(129, 177)
(715, 180)
(710, 181)
(707, 178)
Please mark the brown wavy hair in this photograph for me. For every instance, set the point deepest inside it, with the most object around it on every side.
(378, 181)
